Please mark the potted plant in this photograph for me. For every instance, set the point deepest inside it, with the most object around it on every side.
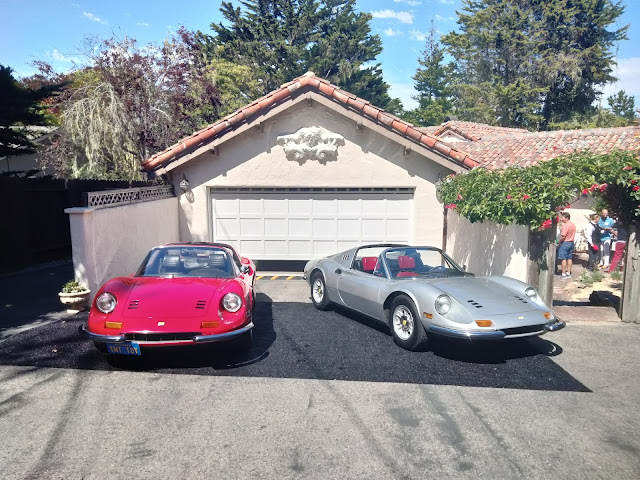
(75, 296)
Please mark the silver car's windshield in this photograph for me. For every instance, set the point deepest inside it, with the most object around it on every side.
(420, 262)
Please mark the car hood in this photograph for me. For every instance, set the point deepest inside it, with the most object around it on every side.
(173, 297)
(482, 296)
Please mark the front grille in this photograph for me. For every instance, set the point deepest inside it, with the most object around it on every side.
(160, 337)
(523, 330)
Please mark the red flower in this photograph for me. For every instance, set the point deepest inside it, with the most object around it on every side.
(459, 197)
(636, 188)
(555, 148)
(526, 197)
(634, 181)
(546, 224)
(509, 197)
(452, 205)
(628, 167)
(603, 187)
(585, 192)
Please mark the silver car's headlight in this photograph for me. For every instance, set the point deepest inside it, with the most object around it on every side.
(443, 304)
(106, 302)
(232, 302)
(531, 293)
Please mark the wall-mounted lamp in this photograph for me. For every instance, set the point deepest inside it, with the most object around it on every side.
(184, 184)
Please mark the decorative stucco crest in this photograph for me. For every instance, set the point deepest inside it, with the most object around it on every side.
(311, 143)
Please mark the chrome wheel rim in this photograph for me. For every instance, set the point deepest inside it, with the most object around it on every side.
(317, 291)
(403, 322)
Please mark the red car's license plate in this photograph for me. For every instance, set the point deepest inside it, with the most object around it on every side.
(128, 348)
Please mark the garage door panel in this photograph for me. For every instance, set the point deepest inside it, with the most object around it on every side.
(226, 207)
(310, 223)
(228, 227)
(299, 227)
(322, 207)
(250, 227)
(275, 227)
(324, 227)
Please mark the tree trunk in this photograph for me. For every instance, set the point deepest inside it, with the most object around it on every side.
(630, 301)
(542, 262)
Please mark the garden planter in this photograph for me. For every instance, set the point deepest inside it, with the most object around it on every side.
(75, 301)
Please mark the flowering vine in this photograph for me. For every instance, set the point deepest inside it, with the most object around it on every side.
(532, 195)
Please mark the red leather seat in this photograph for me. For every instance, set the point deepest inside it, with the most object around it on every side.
(369, 264)
(406, 264)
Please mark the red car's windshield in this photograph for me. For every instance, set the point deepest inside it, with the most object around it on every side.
(188, 261)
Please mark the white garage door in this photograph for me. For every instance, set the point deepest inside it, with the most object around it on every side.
(306, 223)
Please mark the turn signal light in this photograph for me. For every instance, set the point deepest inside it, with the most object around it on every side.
(427, 315)
(548, 315)
(484, 323)
(112, 324)
(210, 324)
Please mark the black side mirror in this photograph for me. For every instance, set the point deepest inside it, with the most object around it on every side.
(245, 269)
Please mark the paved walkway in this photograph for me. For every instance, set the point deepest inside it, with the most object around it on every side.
(571, 310)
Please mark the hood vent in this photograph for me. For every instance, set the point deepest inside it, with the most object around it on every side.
(133, 304)
(521, 299)
(201, 304)
(474, 303)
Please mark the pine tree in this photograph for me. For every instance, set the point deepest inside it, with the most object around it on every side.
(622, 105)
(20, 107)
(544, 61)
(282, 39)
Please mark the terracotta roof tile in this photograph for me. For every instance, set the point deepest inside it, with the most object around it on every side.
(530, 148)
(323, 87)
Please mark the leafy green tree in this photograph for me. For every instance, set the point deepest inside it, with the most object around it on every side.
(282, 39)
(542, 61)
(623, 105)
(433, 80)
(21, 107)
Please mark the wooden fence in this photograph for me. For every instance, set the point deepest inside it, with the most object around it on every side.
(34, 227)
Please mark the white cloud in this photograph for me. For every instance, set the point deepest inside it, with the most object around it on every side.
(440, 18)
(94, 18)
(412, 3)
(447, 2)
(404, 17)
(61, 57)
(143, 24)
(390, 32)
(418, 35)
(404, 91)
(628, 72)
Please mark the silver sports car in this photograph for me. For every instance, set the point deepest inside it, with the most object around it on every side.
(419, 291)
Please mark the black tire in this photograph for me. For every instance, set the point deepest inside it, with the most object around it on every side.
(102, 347)
(405, 324)
(319, 295)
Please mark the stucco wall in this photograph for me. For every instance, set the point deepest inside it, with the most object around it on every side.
(254, 159)
(487, 248)
(111, 242)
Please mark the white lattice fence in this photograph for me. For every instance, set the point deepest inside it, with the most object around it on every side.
(111, 198)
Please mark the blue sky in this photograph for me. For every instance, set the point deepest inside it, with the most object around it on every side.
(53, 30)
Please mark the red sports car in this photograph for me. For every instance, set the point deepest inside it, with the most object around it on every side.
(182, 294)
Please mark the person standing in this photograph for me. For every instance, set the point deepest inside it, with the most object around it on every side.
(619, 245)
(567, 242)
(606, 227)
(592, 235)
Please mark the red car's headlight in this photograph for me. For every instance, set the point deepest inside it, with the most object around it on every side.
(106, 302)
(232, 302)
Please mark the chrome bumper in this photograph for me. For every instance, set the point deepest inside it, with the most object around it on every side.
(96, 337)
(555, 326)
(493, 335)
